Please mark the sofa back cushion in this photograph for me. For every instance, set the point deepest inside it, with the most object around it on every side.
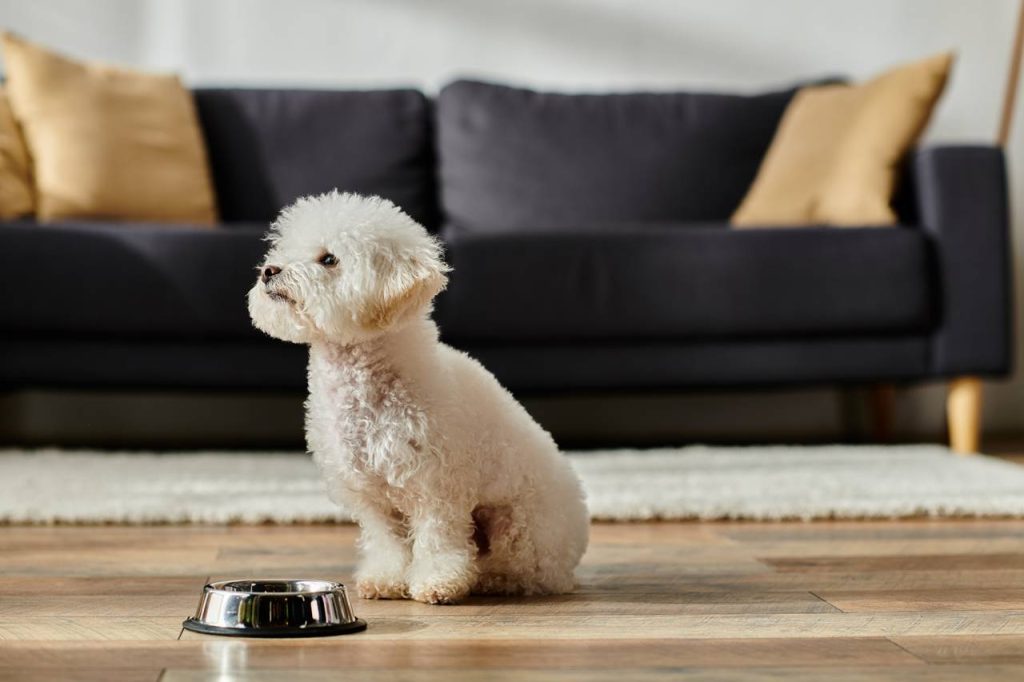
(268, 147)
(517, 159)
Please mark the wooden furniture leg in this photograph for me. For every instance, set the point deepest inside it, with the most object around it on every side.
(882, 402)
(963, 412)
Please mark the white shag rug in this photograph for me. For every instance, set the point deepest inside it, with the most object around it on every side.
(697, 482)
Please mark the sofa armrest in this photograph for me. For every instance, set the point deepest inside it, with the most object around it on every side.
(961, 200)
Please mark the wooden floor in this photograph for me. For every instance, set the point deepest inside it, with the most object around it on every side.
(918, 600)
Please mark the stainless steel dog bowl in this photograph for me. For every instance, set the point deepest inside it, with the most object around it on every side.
(274, 608)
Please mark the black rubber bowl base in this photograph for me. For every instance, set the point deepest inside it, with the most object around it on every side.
(358, 625)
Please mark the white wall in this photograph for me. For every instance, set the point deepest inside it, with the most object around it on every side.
(567, 44)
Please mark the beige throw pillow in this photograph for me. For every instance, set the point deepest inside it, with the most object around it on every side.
(836, 156)
(16, 198)
(108, 142)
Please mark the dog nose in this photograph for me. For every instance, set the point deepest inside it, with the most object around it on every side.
(269, 272)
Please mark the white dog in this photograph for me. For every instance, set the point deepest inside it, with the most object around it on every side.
(455, 488)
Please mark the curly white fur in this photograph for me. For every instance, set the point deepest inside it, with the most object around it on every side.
(455, 488)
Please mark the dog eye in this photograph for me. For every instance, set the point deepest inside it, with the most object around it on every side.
(327, 260)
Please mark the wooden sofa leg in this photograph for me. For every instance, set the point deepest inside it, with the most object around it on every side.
(963, 412)
(882, 403)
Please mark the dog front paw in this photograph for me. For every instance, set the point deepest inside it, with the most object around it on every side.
(384, 585)
(439, 592)
(381, 588)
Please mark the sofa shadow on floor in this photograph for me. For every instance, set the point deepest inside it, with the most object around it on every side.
(273, 420)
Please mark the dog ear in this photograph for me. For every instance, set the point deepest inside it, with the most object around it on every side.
(404, 285)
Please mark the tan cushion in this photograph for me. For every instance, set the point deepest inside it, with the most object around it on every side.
(836, 156)
(16, 198)
(108, 142)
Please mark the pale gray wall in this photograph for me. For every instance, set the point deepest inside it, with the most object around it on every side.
(579, 45)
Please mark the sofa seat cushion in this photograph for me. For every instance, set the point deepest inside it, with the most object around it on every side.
(686, 282)
(129, 279)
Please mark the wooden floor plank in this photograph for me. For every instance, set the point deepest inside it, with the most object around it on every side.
(900, 562)
(887, 547)
(89, 628)
(84, 675)
(125, 586)
(805, 674)
(659, 602)
(105, 606)
(831, 531)
(713, 581)
(1006, 649)
(689, 627)
(355, 652)
(142, 561)
(887, 601)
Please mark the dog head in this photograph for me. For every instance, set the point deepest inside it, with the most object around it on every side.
(344, 268)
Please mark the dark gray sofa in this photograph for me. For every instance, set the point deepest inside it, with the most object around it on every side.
(589, 239)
